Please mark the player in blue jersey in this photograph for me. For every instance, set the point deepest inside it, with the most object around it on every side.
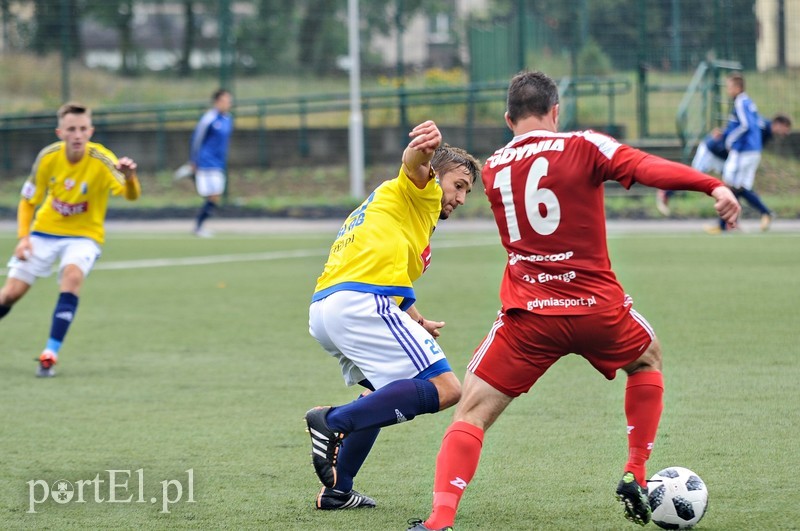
(209, 155)
(744, 141)
(711, 152)
(363, 312)
(736, 152)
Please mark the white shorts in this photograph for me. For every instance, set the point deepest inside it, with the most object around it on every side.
(705, 161)
(740, 169)
(82, 252)
(372, 338)
(209, 181)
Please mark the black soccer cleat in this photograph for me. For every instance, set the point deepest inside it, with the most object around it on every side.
(333, 500)
(325, 445)
(633, 498)
(419, 525)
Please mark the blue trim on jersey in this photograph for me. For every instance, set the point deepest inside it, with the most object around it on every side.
(440, 367)
(388, 291)
(56, 236)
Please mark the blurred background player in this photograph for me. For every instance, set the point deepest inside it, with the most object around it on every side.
(72, 180)
(559, 294)
(710, 157)
(744, 142)
(209, 155)
(363, 313)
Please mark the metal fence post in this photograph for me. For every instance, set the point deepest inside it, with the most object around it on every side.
(304, 147)
(470, 115)
(641, 93)
(225, 49)
(65, 50)
(263, 151)
(161, 140)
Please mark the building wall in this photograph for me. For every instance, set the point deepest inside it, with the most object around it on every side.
(417, 40)
(768, 33)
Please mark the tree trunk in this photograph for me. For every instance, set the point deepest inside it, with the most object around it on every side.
(184, 65)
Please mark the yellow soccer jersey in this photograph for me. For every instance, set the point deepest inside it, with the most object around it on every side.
(74, 196)
(384, 245)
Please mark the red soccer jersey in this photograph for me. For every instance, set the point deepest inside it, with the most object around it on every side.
(546, 193)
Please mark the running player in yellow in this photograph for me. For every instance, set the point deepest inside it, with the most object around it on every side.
(71, 180)
(363, 313)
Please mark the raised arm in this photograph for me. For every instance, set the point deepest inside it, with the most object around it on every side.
(425, 138)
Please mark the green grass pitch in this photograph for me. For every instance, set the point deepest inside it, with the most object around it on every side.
(194, 355)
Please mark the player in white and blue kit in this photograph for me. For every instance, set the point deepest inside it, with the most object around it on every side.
(209, 155)
(363, 313)
(711, 156)
(744, 140)
(742, 137)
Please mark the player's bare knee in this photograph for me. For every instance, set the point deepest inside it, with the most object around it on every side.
(12, 292)
(649, 361)
(71, 279)
(449, 390)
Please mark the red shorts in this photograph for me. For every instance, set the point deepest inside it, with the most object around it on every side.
(521, 345)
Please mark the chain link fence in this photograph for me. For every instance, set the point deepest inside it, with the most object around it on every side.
(624, 65)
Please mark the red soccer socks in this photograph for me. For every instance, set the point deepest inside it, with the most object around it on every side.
(643, 405)
(455, 466)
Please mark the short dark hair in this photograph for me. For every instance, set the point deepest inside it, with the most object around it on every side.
(531, 94)
(447, 158)
(781, 118)
(72, 107)
(219, 93)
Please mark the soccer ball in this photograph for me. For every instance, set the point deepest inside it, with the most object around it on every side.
(678, 498)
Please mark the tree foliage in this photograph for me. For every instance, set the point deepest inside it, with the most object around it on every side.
(631, 32)
(309, 35)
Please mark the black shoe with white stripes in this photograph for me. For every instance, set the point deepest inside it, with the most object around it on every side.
(332, 500)
(325, 445)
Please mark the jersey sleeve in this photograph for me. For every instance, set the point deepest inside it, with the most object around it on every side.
(426, 199)
(199, 134)
(667, 175)
(35, 186)
(613, 161)
(114, 177)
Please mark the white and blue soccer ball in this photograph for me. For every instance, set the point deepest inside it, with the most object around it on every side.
(678, 498)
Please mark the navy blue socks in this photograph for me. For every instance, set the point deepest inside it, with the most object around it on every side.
(65, 310)
(205, 212)
(397, 402)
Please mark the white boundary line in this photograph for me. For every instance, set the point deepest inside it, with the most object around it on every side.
(149, 263)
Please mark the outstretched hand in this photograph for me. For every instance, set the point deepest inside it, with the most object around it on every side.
(726, 205)
(127, 166)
